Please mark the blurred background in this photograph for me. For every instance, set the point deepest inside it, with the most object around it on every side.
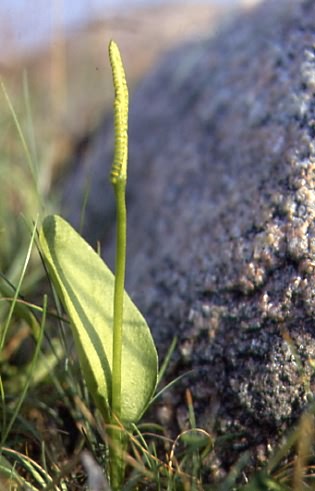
(56, 86)
(62, 47)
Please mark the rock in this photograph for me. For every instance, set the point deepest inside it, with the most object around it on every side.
(221, 219)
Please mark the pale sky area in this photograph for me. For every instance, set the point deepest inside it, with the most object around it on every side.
(29, 22)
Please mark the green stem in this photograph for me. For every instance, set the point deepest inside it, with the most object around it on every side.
(120, 267)
(118, 443)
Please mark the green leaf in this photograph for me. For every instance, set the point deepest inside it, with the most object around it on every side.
(86, 288)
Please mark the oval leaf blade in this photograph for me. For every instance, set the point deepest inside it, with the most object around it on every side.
(86, 288)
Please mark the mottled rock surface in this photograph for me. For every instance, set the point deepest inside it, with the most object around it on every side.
(221, 218)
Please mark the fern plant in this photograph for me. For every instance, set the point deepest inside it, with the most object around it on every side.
(117, 354)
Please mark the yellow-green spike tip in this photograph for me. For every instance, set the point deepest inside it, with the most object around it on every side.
(119, 167)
